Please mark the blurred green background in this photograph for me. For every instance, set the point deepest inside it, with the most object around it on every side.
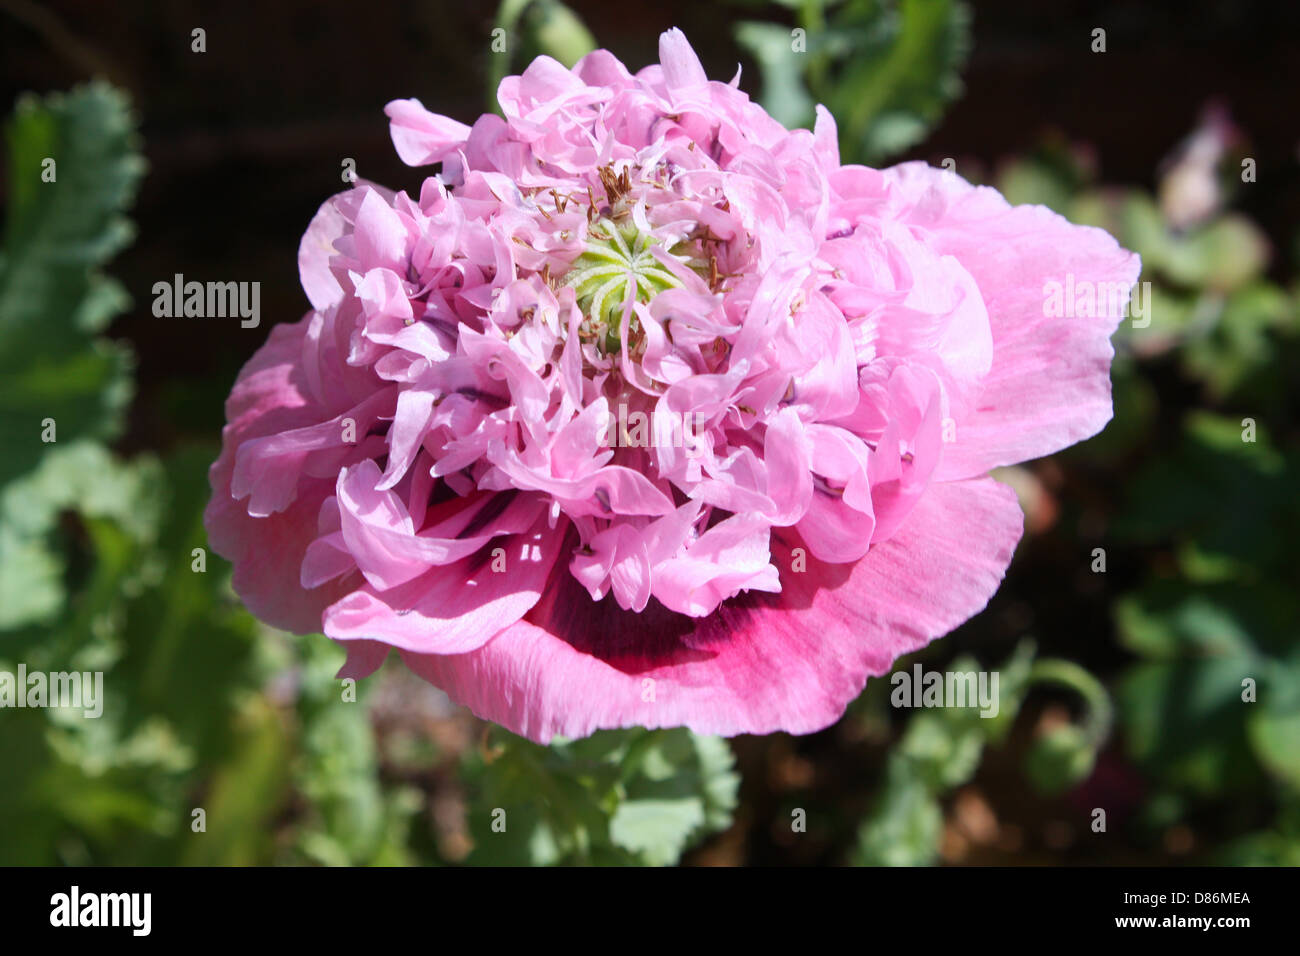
(1156, 573)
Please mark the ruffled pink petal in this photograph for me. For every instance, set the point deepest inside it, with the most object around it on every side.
(269, 397)
(731, 556)
(761, 663)
(1049, 385)
(422, 138)
(455, 608)
(314, 254)
(378, 531)
(682, 69)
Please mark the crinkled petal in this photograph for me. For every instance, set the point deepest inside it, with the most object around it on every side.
(1049, 385)
(270, 396)
(455, 608)
(761, 663)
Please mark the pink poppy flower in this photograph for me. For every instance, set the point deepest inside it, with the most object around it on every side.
(647, 411)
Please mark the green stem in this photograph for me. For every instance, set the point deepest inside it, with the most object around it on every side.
(508, 15)
(1100, 713)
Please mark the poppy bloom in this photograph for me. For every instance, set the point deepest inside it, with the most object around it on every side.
(647, 411)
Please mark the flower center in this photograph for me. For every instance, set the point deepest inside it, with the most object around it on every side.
(618, 266)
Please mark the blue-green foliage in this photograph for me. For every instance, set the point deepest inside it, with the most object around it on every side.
(618, 797)
(885, 69)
